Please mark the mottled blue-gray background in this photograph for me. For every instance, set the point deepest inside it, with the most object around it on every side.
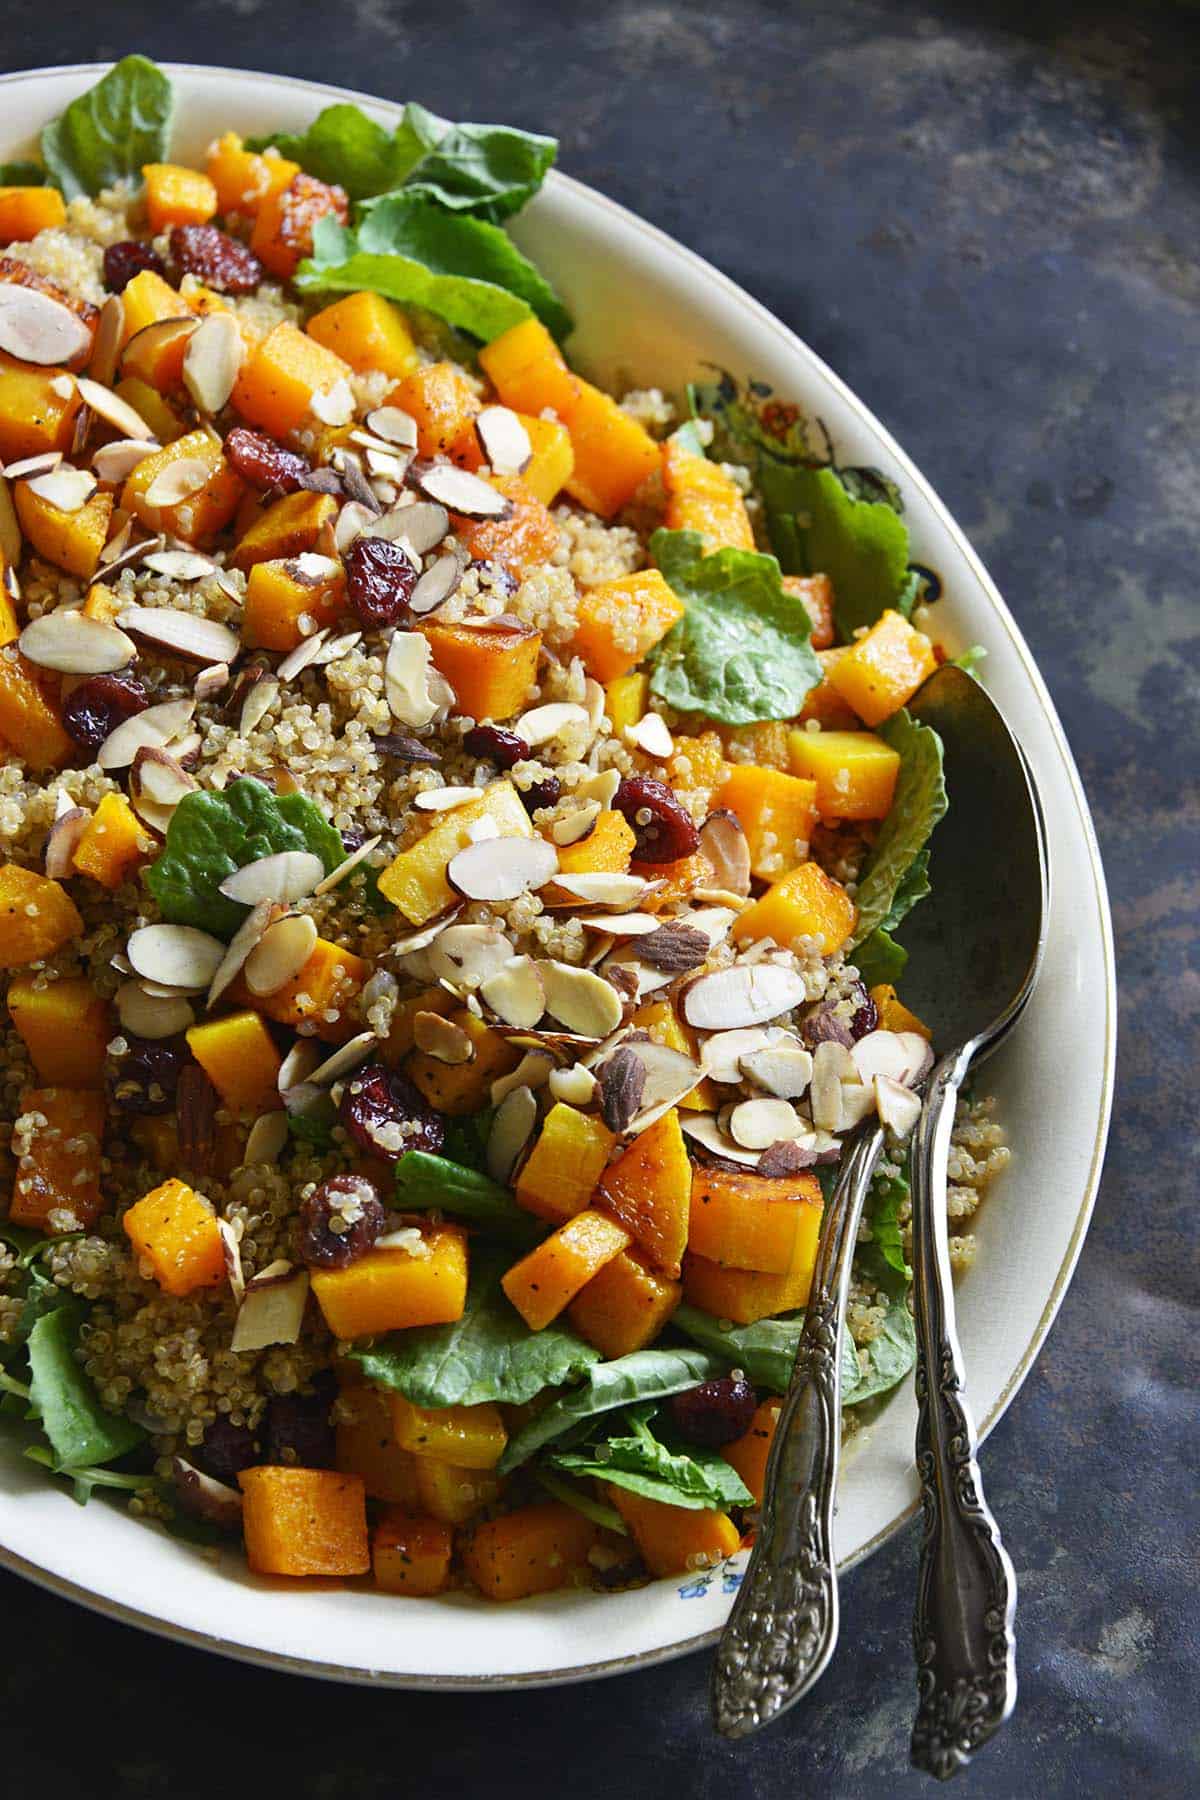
(987, 218)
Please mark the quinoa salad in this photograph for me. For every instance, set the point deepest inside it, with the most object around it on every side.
(455, 822)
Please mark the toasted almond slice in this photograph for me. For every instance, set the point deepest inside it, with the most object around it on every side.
(903, 1056)
(179, 633)
(67, 640)
(338, 875)
(745, 994)
(575, 1086)
(272, 1309)
(114, 462)
(156, 725)
(703, 1129)
(515, 993)
(485, 827)
(573, 827)
(463, 956)
(211, 681)
(651, 736)
(260, 697)
(297, 1066)
(858, 1102)
(62, 840)
(511, 1133)
(543, 723)
(411, 695)
(602, 787)
(348, 1057)
(38, 329)
(334, 648)
(149, 1016)
(106, 345)
(503, 440)
(113, 410)
(600, 889)
(267, 1139)
(442, 1039)
(419, 524)
(783, 1068)
(721, 1054)
(830, 1064)
(354, 518)
(393, 425)
(157, 783)
(177, 956)
(305, 653)
(180, 565)
(582, 1001)
(179, 480)
(622, 925)
(280, 953)
(284, 876)
(67, 488)
(501, 868)
(124, 550)
(757, 1124)
(334, 405)
(436, 800)
(723, 842)
(533, 1071)
(231, 1245)
(437, 584)
(33, 465)
(461, 492)
(247, 935)
(216, 351)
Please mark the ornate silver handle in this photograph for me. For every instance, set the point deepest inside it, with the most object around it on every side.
(784, 1623)
(966, 1588)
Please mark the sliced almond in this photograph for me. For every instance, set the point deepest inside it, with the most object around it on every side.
(574, 1086)
(830, 1062)
(215, 353)
(334, 648)
(113, 410)
(421, 935)
(299, 1063)
(231, 1245)
(533, 1071)
(511, 1133)
(69, 641)
(343, 1060)
(745, 994)
(180, 565)
(150, 1016)
(581, 1000)
(354, 518)
(501, 868)
(411, 694)
(280, 953)
(272, 1309)
(573, 827)
(334, 405)
(437, 584)
(338, 875)
(723, 842)
(515, 993)
(67, 488)
(445, 799)
(651, 736)
(114, 462)
(247, 935)
(394, 426)
(420, 525)
(898, 1106)
(123, 551)
(484, 827)
(602, 787)
(442, 1039)
(703, 1129)
(463, 492)
(38, 329)
(305, 653)
(260, 697)
(157, 783)
(285, 876)
(159, 725)
(721, 1054)
(858, 1102)
(106, 346)
(621, 925)
(600, 889)
(757, 1124)
(10, 532)
(463, 956)
(543, 723)
(63, 839)
(503, 440)
(903, 1056)
(178, 956)
(267, 1139)
(186, 476)
(211, 681)
(179, 633)
(783, 1068)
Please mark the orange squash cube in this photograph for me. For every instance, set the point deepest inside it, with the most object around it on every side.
(366, 331)
(621, 620)
(750, 1221)
(472, 1437)
(304, 1522)
(317, 1002)
(286, 528)
(823, 703)
(527, 370)
(613, 453)
(238, 1055)
(34, 416)
(114, 844)
(57, 1147)
(282, 596)
(816, 591)
(37, 916)
(389, 1290)
(548, 1279)
(559, 1176)
(65, 1025)
(855, 772)
(156, 355)
(457, 1089)
(523, 541)
(102, 603)
(491, 672)
(549, 469)
(624, 1307)
(883, 670)
(366, 1446)
(163, 420)
(743, 1295)
(679, 880)
(777, 812)
(805, 904)
(893, 1014)
(444, 404)
(244, 179)
(748, 1454)
(402, 1036)
(766, 743)
(648, 1188)
(451, 1493)
(286, 217)
(702, 497)
(148, 300)
(174, 1231)
(626, 700)
(205, 510)
(24, 211)
(410, 1555)
(698, 763)
(605, 850)
(177, 196)
(531, 1551)
(675, 1540)
(70, 540)
(415, 880)
(277, 381)
(30, 715)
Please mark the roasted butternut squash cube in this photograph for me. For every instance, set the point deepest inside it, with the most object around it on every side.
(102, 603)
(163, 420)
(65, 1025)
(318, 1002)
(10, 625)
(549, 468)
(176, 195)
(451, 1493)
(543, 1283)
(37, 916)
(748, 1454)
(389, 1290)
(527, 370)
(743, 1295)
(621, 620)
(702, 497)
(289, 600)
(415, 880)
(805, 904)
(304, 1521)
(366, 331)
(750, 1221)
(278, 381)
(411, 1555)
(823, 703)
(287, 528)
(114, 844)
(238, 1055)
(531, 1551)
(205, 508)
(57, 1147)
(243, 179)
(765, 743)
(625, 701)
(402, 1036)
(648, 1189)
(471, 1436)
(30, 712)
(677, 880)
(156, 355)
(624, 1307)
(34, 416)
(662, 1022)
(523, 541)
(605, 850)
(698, 763)
(70, 540)
(24, 211)
(777, 812)
(613, 453)
(854, 771)
(893, 1014)
(366, 1446)
(559, 1176)
(675, 1540)
(174, 1232)
(457, 1089)
(444, 404)
(285, 219)
(148, 300)
(816, 591)
(883, 670)
(490, 671)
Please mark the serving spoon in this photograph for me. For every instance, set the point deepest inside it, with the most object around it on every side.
(974, 969)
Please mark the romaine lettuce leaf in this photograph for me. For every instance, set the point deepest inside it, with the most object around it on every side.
(879, 958)
(106, 135)
(895, 876)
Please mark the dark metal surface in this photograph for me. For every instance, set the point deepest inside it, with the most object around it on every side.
(987, 219)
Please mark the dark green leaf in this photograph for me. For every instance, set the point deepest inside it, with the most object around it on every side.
(895, 878)
(20, 1238)
(23, 174)
(488, 1354)
(488, 170)
(879, 958)
(80, 1432)
(766, 1350)
(741, 653)
(887, 1194)
(314, 1128)
(889, 1356)
(750, 425)
(467, 1139)
(212, 834)
(675, 1474)
(108, 133)
(817, 527)
(84, 1480)
(427, 1183)
(644, 1375)
(343, 145)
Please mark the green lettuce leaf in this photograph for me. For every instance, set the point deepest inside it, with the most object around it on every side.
(212, 834)
(887, 1194)
(488, 1354)
(896, 874)
(343, 145)
(467, 1139)
(816, 526)
(643, 1375)
(889, 1357)
(24, 174)
(880, 958)
(108, 133)
(741, 652)
(412, 250)
(766, 1351)
(78, 1429)
(675, 1474)
(426, 1183)
(314, 1128)
(970, 659)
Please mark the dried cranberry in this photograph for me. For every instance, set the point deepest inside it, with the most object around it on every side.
(380, 579)
(215, 258)
(492, 742)
(542, 793)
(339, 1222)
(144, 1077)
(262, 462)
(226, 1449)
(297, 1428)
(125, 260)
(98, 705)
(664, 830)
(375, 1098)
(714, 1413)
(866, 1014)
